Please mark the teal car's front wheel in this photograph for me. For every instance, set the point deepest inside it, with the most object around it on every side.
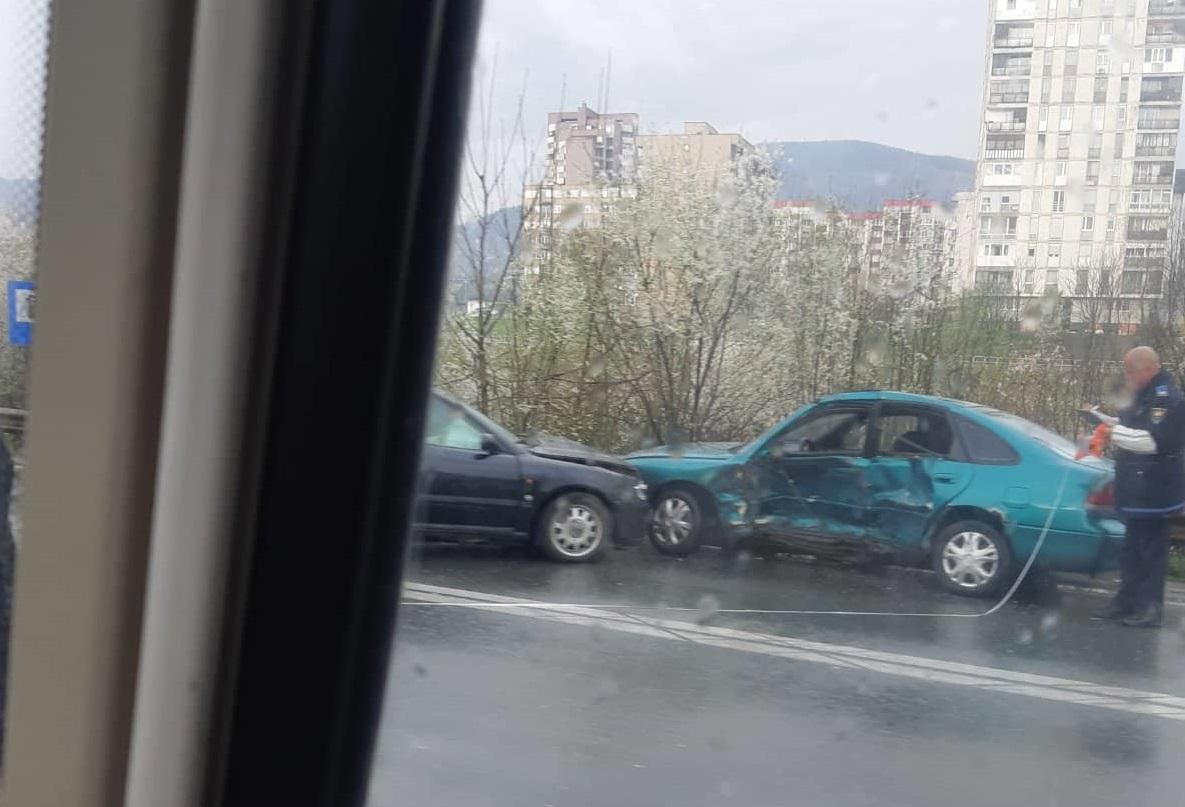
(676, 524)
(972, 558)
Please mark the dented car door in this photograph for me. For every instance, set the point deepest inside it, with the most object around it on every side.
(808, 489)
(915, 471)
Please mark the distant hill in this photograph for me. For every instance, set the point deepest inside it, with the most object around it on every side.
(462, 285)
(861, 175)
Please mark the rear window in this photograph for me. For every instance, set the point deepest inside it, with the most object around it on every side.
(1027, 428)
(983, 446)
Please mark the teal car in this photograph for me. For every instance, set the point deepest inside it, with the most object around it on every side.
(894, 476)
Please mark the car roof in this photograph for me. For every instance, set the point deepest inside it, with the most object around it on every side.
(901, 397)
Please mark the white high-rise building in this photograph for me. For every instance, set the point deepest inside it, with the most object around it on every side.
(1078, 141)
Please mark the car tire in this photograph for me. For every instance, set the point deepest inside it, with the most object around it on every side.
(574, 528)
(972, 559)
(676, 523)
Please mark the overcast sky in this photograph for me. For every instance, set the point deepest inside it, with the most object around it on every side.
(906, 73)
(23, 27)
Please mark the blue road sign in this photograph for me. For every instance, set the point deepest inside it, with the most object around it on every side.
(22, 296)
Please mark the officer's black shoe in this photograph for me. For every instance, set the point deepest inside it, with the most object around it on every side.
(1149, 617)
(1112, 611)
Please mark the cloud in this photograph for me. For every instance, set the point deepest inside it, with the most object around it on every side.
(907, 74)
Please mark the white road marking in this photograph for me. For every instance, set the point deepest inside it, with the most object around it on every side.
(1043, 687)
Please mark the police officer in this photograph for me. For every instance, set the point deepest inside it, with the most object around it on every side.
(1149, 441)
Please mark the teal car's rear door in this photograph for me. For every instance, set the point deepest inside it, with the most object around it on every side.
(915, 471)
(810, 489)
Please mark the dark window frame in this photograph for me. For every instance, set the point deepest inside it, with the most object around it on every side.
(895, 408)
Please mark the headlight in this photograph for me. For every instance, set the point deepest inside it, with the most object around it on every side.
(643, 490)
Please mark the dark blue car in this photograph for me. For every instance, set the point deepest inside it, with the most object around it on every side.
(480, 482)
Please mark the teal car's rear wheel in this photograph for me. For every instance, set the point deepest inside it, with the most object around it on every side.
(677, 523)
(972, 558)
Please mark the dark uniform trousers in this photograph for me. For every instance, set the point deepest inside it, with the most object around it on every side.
(1142, 562)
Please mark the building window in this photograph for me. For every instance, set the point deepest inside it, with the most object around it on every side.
(985, 204)
(1042, 118)
(1102, 62)
(1123, 89)
(1088, 224)
(1158, 55)
(1067, 118)
(1081, 281)
(1069, 91)
(1106, 28)
(1073, 35)
(1054, 254)
(1060, 170)
(1097, 116)
(1100, 89)
(1092, 172)
(1118, 145)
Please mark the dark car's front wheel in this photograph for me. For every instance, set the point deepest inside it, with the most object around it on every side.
(676, 523)
(972, 558)
(574, 527)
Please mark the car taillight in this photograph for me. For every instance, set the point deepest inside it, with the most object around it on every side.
(1102, 497)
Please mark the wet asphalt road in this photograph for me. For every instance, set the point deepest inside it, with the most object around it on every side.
(509, 707)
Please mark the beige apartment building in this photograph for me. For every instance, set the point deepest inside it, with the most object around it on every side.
(593, 158)
(706, 151)
(1077, 146)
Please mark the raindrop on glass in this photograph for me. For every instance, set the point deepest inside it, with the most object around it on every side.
(706, 608)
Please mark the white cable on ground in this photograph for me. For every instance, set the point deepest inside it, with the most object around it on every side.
(1016, 584)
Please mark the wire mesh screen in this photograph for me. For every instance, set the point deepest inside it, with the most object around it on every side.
(24, 31)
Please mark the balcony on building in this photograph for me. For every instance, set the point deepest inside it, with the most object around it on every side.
(1013, 35)
(1012, 91)
(997, 281)
(1007, 120)
(1147, 228)
(1166, 8)
(1004, 147)
(1166, 32)
(1160, 89)
(1144, 262)
(1153, 173)
(1141, 284)
(1011, 64)
(1157, 144)
(1158, 117)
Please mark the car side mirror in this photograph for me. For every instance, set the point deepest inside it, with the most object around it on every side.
(490, 444)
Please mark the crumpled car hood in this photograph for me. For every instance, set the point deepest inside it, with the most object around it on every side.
(691, 451)
(561, 448)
